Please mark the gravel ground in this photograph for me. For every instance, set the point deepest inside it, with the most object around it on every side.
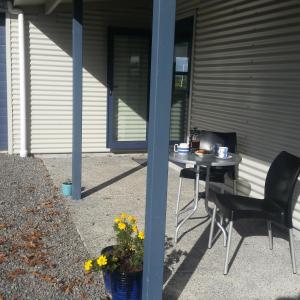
(41, 253)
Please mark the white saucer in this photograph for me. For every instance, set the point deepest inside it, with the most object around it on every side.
(228, 157)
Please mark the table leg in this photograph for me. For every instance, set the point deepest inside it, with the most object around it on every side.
(212, 212)
(195, 206)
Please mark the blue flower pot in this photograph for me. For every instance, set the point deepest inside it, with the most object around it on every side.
(126, 286)
(66, 188)
(106, 274)
(107, 283)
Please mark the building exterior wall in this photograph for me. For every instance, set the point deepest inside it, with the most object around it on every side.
(246, 75)
(246, 79)
(49, 60)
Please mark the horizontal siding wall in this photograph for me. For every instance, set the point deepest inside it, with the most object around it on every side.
(50, 77)
(247, 79)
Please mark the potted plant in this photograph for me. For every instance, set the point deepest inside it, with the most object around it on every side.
(66, 188)
(122, 263)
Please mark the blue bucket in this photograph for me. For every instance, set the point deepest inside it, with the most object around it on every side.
(66, 188)
(126, 286)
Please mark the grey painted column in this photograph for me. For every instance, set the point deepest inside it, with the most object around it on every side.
(158, 146)
(77, 97)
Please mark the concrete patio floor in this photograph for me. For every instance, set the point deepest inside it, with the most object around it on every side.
(116, 183)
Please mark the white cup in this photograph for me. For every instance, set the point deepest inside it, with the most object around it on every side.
(223, 152)
(181, 148)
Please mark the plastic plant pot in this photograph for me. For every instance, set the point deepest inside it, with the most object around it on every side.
(126, 286)
(66, 188)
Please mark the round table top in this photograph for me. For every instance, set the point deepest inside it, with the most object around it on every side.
(205, 160)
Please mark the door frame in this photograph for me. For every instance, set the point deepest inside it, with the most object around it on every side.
(110, 141)
(5, 99)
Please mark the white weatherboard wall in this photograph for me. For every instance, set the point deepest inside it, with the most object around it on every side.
(247, 79)
(49, 60)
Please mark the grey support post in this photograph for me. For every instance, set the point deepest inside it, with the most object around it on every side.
(77, 98)
(163, 28)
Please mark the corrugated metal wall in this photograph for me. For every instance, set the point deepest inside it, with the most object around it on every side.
(247, 79)
(50, 76)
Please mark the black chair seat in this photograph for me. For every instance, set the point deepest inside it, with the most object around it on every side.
(245, 207)
(277, 206)
(216, 174)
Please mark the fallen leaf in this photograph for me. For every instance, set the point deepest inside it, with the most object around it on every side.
(82, 296)
(48, 204)
(17, 272)
(33, 245)
(3, 226)
(35, 259)
(15, 248)
(53, 213)
(30, 189)
(2, 258)
(88, 279)
(33, 210)
(2, 241)
(33, 236)
(45, 277)
(68, 288)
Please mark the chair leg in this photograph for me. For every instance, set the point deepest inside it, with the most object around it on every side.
(178, 200)
(222, 224)
(222, 188)
(234, 187)
(212, 226)
(292, 249)
(228, 247)
(270, 234)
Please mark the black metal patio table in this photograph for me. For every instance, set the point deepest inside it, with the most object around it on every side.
(208, 161)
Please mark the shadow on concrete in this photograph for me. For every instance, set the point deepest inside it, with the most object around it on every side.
(172, 258)
(178, 281)
(205, 219)
(289, 298)
(181, 277)
(112, 180)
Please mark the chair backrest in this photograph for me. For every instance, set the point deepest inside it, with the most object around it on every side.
(280, 182)
(226, 139)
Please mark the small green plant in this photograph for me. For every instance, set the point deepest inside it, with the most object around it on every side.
(127, 254)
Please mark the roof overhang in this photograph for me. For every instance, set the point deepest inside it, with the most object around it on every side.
(49, 5)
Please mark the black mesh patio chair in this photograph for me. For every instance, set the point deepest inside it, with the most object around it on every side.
(277, 205)
(217, 174)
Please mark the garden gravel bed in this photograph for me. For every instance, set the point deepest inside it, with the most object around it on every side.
(41, 253)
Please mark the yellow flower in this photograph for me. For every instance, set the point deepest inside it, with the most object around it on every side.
(88, 265)
(122, 226)
(134, 228)
(102, 260)
(141, 235)
(124, 216)
(117, 220)
(132, 219)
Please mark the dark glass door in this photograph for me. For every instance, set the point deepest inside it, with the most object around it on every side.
(181, 79)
